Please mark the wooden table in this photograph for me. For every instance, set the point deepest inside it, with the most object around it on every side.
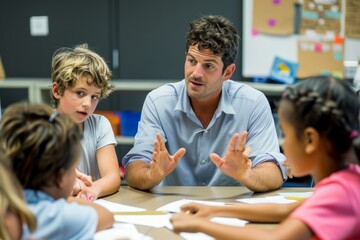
(161, 195)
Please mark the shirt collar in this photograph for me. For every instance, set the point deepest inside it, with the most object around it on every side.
(183, 103)
(35, 196)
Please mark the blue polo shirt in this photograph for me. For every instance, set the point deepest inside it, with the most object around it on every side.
(167, 110)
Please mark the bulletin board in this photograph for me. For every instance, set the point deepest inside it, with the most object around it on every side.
(260, 49)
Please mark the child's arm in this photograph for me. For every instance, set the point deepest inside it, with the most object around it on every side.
(109, 169)
(251, 212)
(105, 217)
(290, 229)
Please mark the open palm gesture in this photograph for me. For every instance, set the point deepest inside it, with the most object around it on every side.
(162, 162)
(236, 162)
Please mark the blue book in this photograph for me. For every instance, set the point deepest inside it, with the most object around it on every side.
(284, 71)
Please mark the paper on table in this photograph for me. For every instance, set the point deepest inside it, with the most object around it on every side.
(175, 206)
(118, 231)
(195, 236)
(156, 221)
(224, 220)
(202, 236)
(116, 207)
(271, 199)
(140, 213)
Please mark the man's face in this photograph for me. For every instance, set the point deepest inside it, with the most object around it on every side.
(203, 73)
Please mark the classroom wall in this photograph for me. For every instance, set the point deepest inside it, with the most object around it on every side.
(149, 36)
(260, 50)
(70, 23)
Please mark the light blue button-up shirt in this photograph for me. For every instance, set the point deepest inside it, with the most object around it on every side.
(58, 219)
(167, 110)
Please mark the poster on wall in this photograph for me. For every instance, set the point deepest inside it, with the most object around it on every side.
(320, 57)
(273, 17)
(321, 16)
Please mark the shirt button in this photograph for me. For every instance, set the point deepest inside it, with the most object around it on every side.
(203, 161)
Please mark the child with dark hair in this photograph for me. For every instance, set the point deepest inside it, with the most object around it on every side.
(320, 121)
(43, 147)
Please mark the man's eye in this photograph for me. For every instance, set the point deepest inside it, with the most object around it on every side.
(192, 62)
(209, 66)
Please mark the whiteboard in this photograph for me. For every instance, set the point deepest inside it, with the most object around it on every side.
(259, 51)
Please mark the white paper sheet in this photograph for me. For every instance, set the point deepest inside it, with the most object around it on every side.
(222, 220)
(195, 236)
(156, 221)
(272, 199)
(116, 207)
(119, 231)
(174, 207)
(283, 197)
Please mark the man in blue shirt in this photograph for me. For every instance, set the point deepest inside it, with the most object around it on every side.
(208, 129)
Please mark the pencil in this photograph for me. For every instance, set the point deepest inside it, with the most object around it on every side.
(295, 198)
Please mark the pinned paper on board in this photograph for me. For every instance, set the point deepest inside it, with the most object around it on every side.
(39, 26)
(352, 18)
(273, 16)
(321, 16)
(283, 71)
(320, 57)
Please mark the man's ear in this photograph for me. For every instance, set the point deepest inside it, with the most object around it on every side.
(312, 139)
(55, 90)
(229, 71)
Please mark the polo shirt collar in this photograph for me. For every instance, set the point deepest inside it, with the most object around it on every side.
(183, 103)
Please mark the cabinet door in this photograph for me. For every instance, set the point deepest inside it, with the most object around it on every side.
(153, 35)
(70, 23)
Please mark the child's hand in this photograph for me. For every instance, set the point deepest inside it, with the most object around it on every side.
(197, 209)
(183, 222)
(89, 193)
(83, 177)
(81, 182)
(78, 187)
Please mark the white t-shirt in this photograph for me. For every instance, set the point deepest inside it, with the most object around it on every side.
(97, 134)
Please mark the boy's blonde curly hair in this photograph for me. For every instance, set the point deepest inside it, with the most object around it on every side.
(69, 65)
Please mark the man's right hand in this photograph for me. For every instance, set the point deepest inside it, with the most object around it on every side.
(162, 162)
(144, 176)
